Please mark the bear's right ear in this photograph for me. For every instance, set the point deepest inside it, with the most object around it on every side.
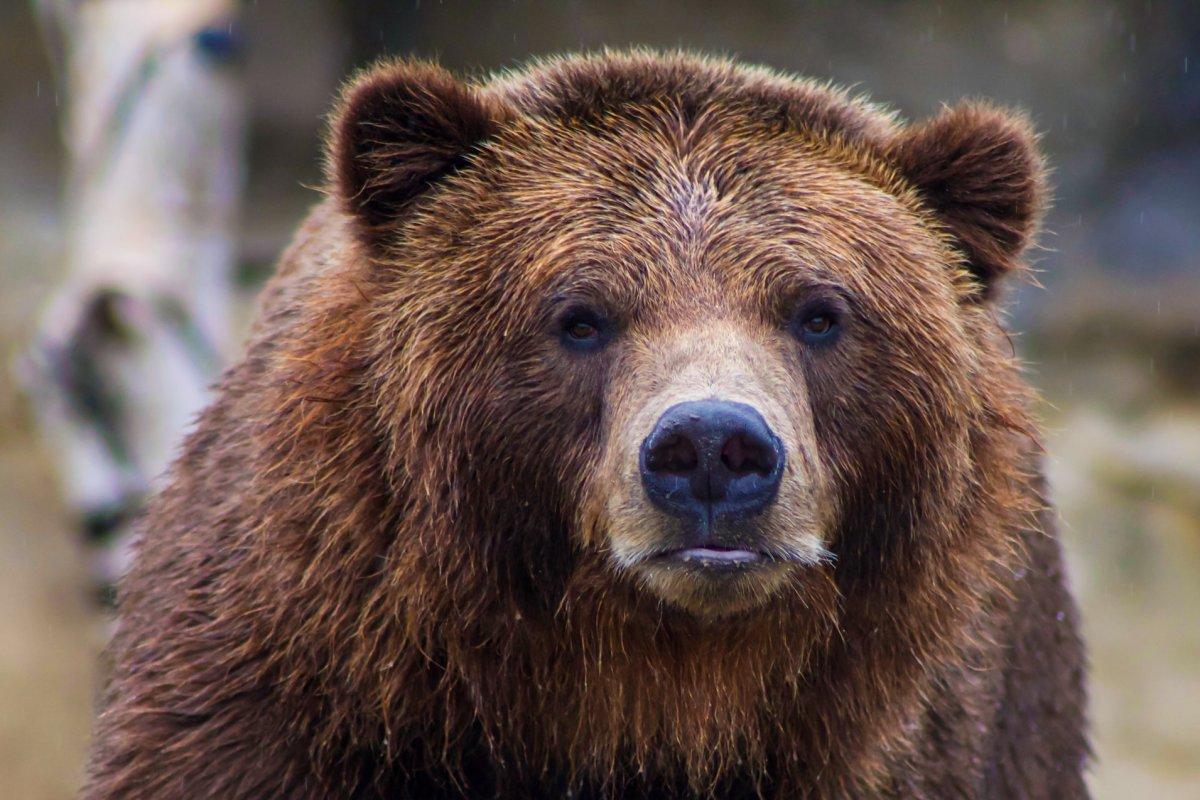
(400, 127)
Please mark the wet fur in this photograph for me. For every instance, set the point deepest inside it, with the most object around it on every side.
(378, 569)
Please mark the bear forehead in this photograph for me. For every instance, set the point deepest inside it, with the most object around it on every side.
(646, 188)
(657, 151)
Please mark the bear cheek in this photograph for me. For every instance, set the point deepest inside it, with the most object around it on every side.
(891, 441)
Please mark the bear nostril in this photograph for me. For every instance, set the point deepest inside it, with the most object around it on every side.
(674, 454)
(743, 454)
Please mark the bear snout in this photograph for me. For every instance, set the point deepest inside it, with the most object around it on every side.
(709, 460)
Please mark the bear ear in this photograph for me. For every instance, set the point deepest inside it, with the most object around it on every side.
(399, 128)
(978, 168)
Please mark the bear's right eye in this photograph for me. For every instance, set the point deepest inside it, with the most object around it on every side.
(583, 330)
(580, 331)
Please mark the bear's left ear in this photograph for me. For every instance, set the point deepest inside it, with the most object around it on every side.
(978, 168)
(399, 128)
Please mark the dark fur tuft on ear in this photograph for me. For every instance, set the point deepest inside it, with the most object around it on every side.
(978, 168)
(399, 128)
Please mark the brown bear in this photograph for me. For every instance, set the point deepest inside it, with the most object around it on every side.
(630, 425)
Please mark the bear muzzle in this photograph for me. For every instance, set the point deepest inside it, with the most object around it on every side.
(714, 465)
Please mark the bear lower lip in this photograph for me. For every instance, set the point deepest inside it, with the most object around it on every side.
(714, 557)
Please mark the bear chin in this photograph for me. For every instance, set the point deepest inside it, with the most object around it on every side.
(715, 587)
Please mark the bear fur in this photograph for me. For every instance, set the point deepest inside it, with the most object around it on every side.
(383, 564)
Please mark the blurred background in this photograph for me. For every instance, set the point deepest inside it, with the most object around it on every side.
(157, 154)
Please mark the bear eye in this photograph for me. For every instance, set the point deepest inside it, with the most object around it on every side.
(582, 329)
(818, 324)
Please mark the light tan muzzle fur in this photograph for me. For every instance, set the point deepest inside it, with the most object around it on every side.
(716, 361)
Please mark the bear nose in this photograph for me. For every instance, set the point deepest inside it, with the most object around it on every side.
(710, 458)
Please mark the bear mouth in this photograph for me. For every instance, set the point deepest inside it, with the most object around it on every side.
(714, 557)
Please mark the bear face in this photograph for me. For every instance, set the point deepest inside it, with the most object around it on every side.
(674, 331)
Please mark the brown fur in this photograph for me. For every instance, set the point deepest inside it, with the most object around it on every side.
(384, 565)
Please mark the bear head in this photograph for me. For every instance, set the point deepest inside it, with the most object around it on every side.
(713, 328)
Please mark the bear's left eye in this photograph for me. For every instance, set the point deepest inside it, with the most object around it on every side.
(818, 323)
